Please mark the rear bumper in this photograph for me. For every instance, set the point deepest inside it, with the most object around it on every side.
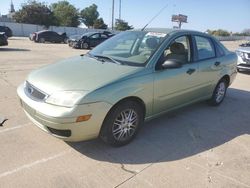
(61, 121)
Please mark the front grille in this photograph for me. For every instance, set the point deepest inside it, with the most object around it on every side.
(63, 133)
(34, 93)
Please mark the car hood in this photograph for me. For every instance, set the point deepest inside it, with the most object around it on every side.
(78, 74)
(244, 49)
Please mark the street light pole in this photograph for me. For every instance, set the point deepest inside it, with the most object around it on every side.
(120, 10)
(113, 9)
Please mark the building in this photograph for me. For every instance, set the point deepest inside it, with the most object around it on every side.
(8, 17)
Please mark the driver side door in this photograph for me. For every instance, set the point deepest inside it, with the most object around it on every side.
(176, 87)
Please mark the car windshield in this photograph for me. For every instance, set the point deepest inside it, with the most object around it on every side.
(132, 47)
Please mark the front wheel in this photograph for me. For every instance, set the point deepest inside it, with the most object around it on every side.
(122, 123)
(219, 93)
(85, 45)
(42, 40)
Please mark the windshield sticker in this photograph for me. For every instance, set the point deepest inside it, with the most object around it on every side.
(155, 34)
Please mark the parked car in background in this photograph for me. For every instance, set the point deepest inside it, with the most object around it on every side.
(243, 58)
(32, 36)
(247, 44)
(6, 30)
(89, 40)
(49, 36)
(73, 38)
(3, 39)
(111, 90)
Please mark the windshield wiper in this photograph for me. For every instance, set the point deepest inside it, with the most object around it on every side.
(94, 57)
(103, 57)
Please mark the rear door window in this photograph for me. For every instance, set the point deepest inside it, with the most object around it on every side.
(205, 48)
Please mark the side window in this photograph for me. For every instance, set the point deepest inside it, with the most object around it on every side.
(179, 49)
(205, 48)
(219, 51)
(95, 36)
(104, 36)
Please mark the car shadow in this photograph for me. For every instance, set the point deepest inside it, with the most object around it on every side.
(180, 134)
(14, 50)
(245, 72)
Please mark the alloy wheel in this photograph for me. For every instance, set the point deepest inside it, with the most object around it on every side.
(220, 92)
(125, 125)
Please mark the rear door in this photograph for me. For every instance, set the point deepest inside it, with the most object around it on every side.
(209, 65)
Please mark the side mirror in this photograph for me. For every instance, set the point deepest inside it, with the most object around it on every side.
(172, 64)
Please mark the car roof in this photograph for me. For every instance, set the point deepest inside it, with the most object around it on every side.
(172, 31)
(43, 31)
(90, 33)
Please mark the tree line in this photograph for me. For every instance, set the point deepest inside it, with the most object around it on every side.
(63, 13)
(224, 33)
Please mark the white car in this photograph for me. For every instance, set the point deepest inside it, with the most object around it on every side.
(243, 54)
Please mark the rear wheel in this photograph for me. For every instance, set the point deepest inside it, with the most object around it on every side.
(122, 123)
(219, 93)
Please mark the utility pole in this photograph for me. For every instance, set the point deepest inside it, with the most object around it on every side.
(120, 10)
(113, 10)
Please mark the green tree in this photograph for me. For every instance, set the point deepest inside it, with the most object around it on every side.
(246, 32)
(219, 32)
(34, 12)
(89, 15)
(65, 14)
(99, 24)
(122, 25)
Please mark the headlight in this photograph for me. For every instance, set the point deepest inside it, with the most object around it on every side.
(241, 54)
(65, 98)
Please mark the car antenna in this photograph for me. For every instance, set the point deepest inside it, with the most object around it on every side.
(154, 17)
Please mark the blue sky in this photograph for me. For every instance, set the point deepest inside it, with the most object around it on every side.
(232, 15)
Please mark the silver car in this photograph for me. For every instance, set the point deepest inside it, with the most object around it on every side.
(243, 54)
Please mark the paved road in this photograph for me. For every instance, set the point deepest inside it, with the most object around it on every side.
(198, 146)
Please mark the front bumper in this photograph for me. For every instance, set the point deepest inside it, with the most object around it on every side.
(76, 45)
(243, 63)
(61, 121)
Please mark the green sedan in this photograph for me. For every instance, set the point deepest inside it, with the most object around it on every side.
(131, 78)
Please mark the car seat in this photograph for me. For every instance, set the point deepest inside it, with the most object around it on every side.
(178, 52)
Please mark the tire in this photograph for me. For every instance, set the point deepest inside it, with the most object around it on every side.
(122, 123)
(219, 93)
(42, 40)
(85, 45)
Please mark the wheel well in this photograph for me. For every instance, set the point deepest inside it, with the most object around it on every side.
(135, 99)
(227, 79)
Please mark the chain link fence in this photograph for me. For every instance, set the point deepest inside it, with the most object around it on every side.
(24, 30)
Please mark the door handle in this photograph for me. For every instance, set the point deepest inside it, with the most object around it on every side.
(217, 63)
(190, 71)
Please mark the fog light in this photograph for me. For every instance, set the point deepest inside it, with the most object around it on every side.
(83, 118)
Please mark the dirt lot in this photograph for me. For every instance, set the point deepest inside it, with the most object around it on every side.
(199, 146)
